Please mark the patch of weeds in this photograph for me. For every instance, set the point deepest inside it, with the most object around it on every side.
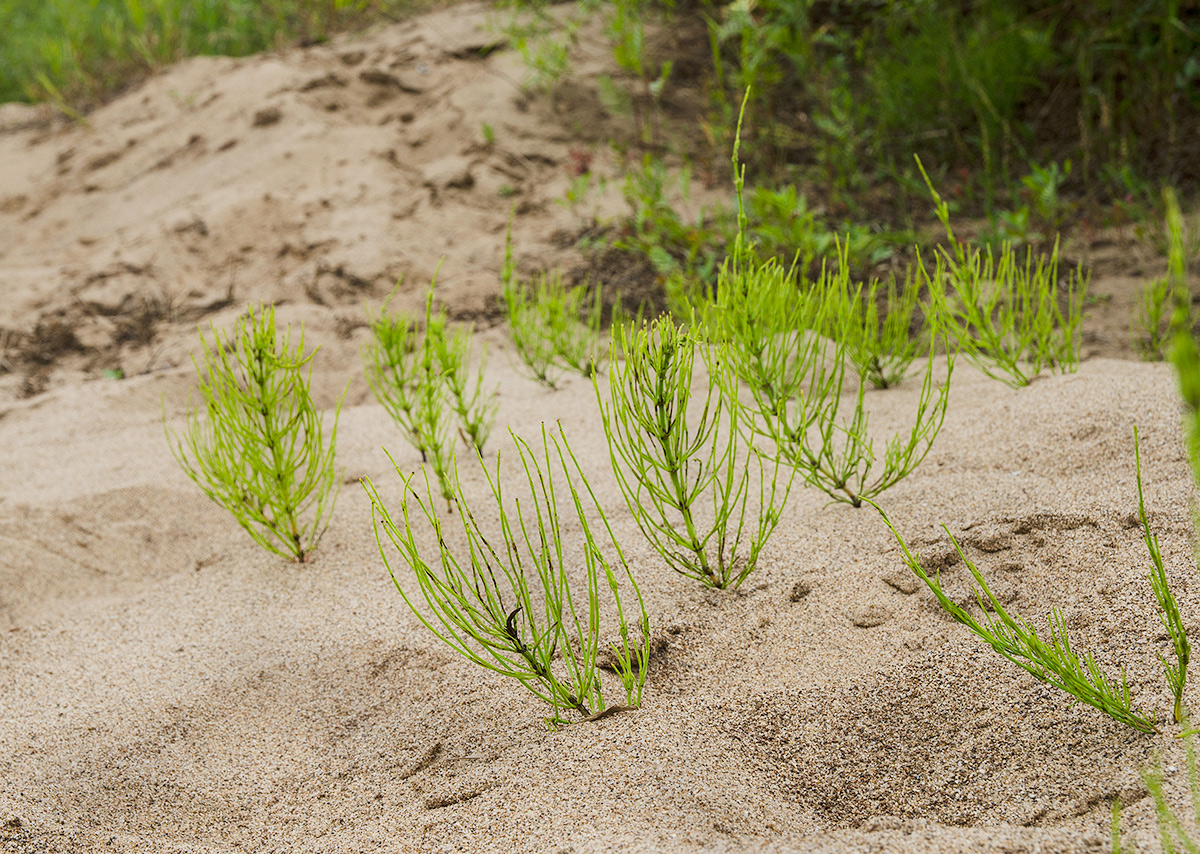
(428, 382)
(679, 459)
(783, 226)
(656, 229)
(256, 444)
(1151, 327)
(77, 54)
(542, 38)
(1010, 319)
(1042, 214)
(506, 601)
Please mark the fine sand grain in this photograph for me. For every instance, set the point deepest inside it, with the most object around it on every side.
(166, 686)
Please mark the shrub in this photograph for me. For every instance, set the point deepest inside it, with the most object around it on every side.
(505, 599)
(256, 444)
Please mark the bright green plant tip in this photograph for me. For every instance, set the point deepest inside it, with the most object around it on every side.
(521, 597)
(256, 445)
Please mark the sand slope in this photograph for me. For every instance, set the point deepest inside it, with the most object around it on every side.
(167, 686)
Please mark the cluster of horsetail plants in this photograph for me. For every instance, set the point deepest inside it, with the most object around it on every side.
(704, 451)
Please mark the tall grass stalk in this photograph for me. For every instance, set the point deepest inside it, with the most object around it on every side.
(257, 444)
(1176, 672)
(504, 598)
(1184, 352)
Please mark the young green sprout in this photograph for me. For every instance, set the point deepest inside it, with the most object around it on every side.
(554, 328)
(424, 379)
(256, 445)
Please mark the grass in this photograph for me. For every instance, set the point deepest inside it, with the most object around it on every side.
(256, 445)
(78, 54)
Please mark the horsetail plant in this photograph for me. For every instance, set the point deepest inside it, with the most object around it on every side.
(881, 347)
(257, 445)
(1171, 832)
(771, 333)
(840, 459)
(554, 328)
(505, 600)
(775, 336)
(1151, 327)
(423, 379)
(678, 459)
(1168, 607)
(1007, 317)
(1184, 352)
(1052, 661)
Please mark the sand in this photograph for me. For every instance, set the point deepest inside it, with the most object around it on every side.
(166, 685)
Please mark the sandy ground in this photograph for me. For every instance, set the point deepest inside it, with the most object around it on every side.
(165, 685)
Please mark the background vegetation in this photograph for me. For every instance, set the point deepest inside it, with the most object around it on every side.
(1023, 110)
(81, 52)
